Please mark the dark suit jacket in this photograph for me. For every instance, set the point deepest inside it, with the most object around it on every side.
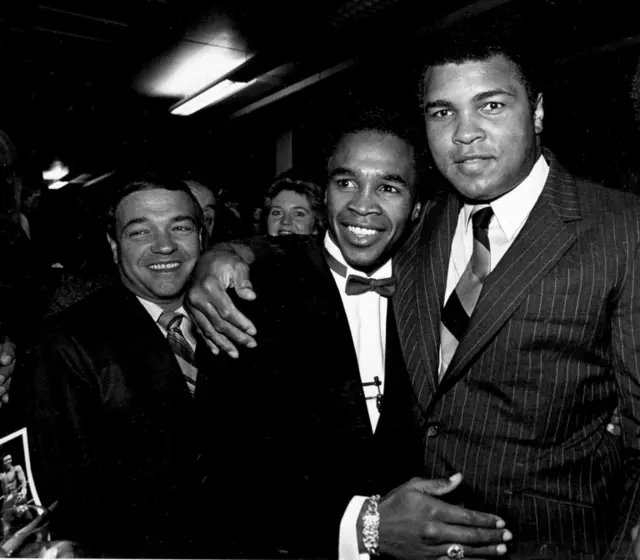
(301, 439)
(111, 428)
(552, 348)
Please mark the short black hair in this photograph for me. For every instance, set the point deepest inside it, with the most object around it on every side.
(385, 119)
(457, 47)
(128, 184)
(300, 182)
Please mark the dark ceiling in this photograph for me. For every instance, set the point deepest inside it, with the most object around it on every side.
(73, 68)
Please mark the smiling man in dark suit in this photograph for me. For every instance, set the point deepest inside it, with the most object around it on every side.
(107, 394)
(518, 314)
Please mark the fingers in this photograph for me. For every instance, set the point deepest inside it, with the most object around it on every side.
(439, 486)
(5, 382)
(7, 353)
(438, 532)
(215, 340)
(456, 515)
(218, 320)
(474, 552)
(242, 285)
(6, 359)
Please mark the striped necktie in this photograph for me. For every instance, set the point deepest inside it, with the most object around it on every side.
(170, 321)
(462, 301)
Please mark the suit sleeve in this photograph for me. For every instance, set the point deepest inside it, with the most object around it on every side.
(269, 455)
(56, 393)
(626, 347)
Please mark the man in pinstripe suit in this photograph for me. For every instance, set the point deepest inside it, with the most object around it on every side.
(552, 345)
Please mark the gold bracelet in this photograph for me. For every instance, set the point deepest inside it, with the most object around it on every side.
(371, 526)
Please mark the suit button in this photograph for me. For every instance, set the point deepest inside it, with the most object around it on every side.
(433, 430)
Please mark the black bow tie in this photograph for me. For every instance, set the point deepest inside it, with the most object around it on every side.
(356, 284)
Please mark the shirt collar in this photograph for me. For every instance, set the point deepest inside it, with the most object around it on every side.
(384, 271)
(155, 310)
(512, 209)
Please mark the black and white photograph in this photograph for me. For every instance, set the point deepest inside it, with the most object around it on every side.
(320, 279)
(20, 501)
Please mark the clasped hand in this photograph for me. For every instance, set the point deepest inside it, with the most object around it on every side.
(415, 524)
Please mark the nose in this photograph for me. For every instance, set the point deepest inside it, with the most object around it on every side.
(164, 244)
(363, 202)
(468, 129)
(286, 219)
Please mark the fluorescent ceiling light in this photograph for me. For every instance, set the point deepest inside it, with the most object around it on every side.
(57, 171)
(192, 68)
(80, 178)
(209, 96)
(58, 184)
(98, 179)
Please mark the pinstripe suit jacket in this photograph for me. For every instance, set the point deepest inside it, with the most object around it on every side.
(552, 348)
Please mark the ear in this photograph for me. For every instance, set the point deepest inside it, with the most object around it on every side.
(538, 114)
(416, 211)
(114, 248)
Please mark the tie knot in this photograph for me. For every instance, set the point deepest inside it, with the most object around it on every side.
(170, 320)
(481, 217)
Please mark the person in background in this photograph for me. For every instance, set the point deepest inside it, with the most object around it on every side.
(293, 206)
(208, 202)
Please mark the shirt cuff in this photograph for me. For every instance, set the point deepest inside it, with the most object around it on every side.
(348, 543)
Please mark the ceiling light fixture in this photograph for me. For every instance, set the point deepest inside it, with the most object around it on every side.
(208, 96)
(98, 179)
(293, 88)
(56, 172)
(58, 184)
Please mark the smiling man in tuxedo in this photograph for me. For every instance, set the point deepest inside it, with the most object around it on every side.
(323, 406)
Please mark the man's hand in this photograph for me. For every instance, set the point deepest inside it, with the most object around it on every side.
(7, 365)
(217, 318)
(416, 525)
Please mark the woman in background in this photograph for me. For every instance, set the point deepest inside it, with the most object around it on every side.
(293, 206)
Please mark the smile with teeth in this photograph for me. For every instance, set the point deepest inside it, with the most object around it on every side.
(164, 266)
(361, 231)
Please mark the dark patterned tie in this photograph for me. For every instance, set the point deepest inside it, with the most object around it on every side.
(462, 301)
(170, 321)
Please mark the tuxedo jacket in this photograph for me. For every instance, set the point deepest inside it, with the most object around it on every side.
(111, 429)
(553, 346)
(301, 443)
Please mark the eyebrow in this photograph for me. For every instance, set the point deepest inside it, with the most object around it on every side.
(482, 96)
(391, 177)
(179, 218)
(341, 171)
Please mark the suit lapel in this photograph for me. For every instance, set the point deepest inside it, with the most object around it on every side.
(422, 276)
(156, 366)
(325, 301)
(548, 233)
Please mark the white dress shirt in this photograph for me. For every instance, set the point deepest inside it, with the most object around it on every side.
(367, 316)
(511, 211)
(186, 326)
